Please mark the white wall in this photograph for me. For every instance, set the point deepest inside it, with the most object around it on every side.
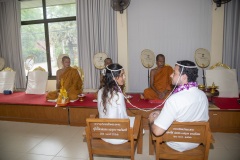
(217, 34)
(130, 57)
(209, 34)
(123, 43)
(174, 28)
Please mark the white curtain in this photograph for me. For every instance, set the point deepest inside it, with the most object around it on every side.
(97, 32)
(231, 44)
(175, 28)
(10, 39)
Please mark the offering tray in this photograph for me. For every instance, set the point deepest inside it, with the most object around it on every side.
(210, 94)
(62, 104)
(59, 104)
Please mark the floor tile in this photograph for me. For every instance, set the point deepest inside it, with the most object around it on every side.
(35, 157)
(48, 147)
(107, 158)
(32, 141)
(74, 150)
(64, 158)
(5, 155)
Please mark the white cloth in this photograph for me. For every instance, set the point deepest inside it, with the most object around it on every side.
(37, 82)
(225, 79)
(7, 79)
(116, 108)
(185, 106)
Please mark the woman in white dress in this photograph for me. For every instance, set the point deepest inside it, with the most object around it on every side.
(111, 103)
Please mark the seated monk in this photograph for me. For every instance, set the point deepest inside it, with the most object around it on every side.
(72, 81)
(107, 61)
(160, 81)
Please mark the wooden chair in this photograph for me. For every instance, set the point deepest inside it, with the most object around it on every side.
(7, 79)
(37, 81)
(195, 132)
(224, 78)
(98, 128)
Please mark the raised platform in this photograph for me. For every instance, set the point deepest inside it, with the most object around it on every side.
(34, 108)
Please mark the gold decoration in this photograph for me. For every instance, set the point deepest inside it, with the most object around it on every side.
(39, 69)
(201, 87)
(8, 69)
(213, 88)
(63, 96)
(219, 64)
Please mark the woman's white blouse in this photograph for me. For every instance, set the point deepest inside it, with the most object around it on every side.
(116, 108)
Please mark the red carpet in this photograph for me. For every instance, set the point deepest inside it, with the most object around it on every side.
(32, 99)
(135, 101)
(226, 103)
(22, 98)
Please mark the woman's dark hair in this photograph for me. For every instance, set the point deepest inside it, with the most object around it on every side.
(192, 73)
(109, 84)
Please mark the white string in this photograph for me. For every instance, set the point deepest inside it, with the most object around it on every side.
(113, 69)
(186, 66)
(147, 110)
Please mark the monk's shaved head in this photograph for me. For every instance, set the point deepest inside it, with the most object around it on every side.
(160, 55)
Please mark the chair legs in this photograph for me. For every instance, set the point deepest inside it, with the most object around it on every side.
(151, 144)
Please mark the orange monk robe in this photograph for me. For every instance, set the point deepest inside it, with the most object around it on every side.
(72, 81)
(162, 82)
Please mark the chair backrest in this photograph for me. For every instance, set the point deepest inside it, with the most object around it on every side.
(98, 129)
(37, 81)
(195, 132)
(7, 79)
(225, 78)
(108, 128)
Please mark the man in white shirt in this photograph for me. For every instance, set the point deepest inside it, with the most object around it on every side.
(187, 104)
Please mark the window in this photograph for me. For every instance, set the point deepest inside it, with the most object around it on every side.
(48, 29)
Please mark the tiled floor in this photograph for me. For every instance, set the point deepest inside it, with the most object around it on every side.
(31, 141)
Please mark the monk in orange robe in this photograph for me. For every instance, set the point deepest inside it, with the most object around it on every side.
(72, 81)
(160, 80)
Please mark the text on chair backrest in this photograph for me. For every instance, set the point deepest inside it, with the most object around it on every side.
(185, 133)
(109, 128)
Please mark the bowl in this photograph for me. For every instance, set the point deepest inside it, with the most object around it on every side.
(81, 95)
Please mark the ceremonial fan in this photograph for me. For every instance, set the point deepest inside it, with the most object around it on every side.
(28, 64)
(147, 59)
(59, 60)
(98, 60)
(202, 58)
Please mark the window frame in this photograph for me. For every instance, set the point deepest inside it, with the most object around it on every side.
(45, 22)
